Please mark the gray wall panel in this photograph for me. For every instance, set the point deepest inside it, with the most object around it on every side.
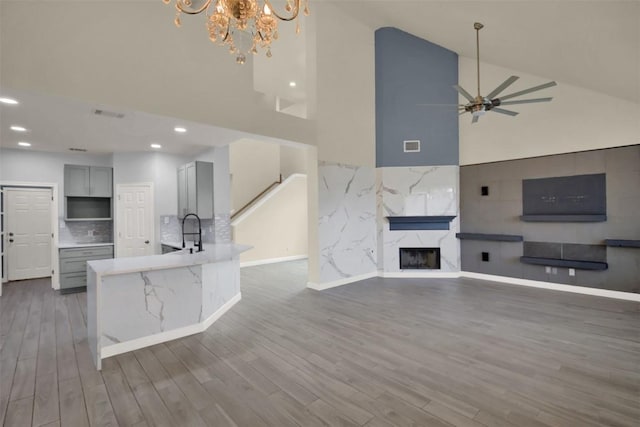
(499, 213)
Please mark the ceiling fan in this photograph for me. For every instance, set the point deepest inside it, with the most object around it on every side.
(481, 104)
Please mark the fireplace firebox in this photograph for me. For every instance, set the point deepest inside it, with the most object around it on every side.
(419, 258)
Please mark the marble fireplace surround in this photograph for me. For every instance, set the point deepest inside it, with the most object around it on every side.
(424, 200)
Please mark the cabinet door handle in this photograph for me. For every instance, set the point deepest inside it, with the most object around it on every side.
(146, 242)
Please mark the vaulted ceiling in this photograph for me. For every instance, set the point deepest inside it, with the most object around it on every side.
(589, 44)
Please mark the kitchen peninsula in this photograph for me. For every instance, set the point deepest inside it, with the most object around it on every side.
(141, 301)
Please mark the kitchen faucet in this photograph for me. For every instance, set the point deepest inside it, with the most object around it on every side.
(199, 233)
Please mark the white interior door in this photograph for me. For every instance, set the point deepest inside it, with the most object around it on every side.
(28, 233)
(135, 220)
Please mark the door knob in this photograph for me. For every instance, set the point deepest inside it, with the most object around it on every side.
(146, 242)
(10, 234)
(10, 240)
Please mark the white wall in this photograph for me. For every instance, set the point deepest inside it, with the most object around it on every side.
(39, 166)
(576, 119)
(345, 88)
(292, 160)
(254, 166)
(277, 226)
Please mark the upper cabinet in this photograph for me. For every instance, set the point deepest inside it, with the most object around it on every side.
(195, 189)
(88, 181)
(88, 192)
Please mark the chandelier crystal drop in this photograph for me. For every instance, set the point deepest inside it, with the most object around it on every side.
(241, 25)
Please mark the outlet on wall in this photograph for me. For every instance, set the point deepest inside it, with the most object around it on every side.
(547, 270)
(554, 270)
(90, 233)
(572, 272)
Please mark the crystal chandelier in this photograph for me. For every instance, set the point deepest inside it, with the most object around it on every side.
(242, 25)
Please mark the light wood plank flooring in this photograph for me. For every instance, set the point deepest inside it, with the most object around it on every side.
(376, 353)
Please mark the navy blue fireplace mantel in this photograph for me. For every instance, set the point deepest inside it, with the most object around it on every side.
(419, 222)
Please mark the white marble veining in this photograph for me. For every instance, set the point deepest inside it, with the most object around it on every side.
(141, 301)
(418, 191)
(213, 252)
(156, 301)
(347, 221)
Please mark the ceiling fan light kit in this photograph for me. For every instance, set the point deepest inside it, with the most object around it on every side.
(479, 104)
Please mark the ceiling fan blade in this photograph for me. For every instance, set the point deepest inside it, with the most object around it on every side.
(503, 86)
(503, 111)
(475, 119)
(531, 89)
(526, 101)
(464, 93)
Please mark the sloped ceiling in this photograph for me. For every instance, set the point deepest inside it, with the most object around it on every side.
(591, 44)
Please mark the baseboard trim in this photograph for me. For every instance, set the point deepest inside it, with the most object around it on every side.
(173, 334)
(340, 282)
(418, 275)
(628, 296)
(553, 286)
(272, 260)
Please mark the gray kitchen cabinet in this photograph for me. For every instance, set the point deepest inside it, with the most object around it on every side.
(195, 189)
(88, 181)
(76, 180)
(88, 192)
(73, 266)
(101, 181)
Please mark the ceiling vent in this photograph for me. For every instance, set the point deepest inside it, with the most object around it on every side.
(106, 113)
(412, 146)
(82, 150)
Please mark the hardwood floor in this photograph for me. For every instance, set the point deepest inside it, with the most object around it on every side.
(381, 352)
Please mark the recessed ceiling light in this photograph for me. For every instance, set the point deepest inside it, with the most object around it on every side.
(180, 129)
(24, 144)
(156, 146)
(18, 129)
(292, 84)
(8, 101)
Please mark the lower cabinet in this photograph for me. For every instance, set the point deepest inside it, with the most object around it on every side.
(73, 266)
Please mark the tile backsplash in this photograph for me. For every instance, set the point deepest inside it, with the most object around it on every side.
(217, 230)
(85, 231)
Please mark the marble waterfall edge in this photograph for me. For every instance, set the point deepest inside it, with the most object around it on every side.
(137, 302)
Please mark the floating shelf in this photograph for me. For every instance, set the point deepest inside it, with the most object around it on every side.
(552, 262)
(618, 243)
(564, 218)
(490, 237)
(419, 222)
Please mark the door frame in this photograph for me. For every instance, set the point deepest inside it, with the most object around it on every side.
(116, 206)
(55, 277)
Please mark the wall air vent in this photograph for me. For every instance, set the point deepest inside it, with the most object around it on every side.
(83, 150)
(106, 113)
(412, 146)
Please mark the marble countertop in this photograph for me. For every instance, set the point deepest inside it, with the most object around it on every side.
(81, 245)
(212, 253)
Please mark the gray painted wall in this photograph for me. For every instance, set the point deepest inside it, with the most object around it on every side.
(410, 71)
(499, 213)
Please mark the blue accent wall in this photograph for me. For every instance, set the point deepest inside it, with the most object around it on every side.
(410, 71)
